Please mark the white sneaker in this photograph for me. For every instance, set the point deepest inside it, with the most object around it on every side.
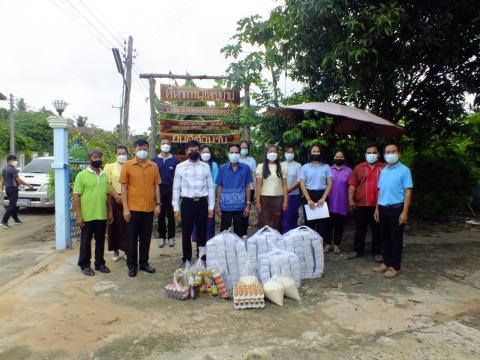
(4, 225)
(171, 242)
(161, 242)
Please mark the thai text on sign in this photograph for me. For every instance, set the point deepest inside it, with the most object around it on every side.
(203, 138)
(169, 125)
(180, 93)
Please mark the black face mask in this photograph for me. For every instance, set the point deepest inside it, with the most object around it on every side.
(96, 164)
(194, 155)
(316, 157)
(339, 162)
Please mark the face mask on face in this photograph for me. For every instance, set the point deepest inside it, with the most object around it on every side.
(244, 151)
(15, 163)
(371, 158)
(233, 157)
(316, 157)
(339, 162)
(205, 156)
(391, 158)
(121, 158)
(289, 156)
(272, 156)
(165, 148)
(142, 154)
(96, 164)
(193, 155)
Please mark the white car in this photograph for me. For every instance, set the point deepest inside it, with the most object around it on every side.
(35, 173)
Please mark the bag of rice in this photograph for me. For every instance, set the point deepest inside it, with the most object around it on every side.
(274, 291)
(248, 280)
(290, 288)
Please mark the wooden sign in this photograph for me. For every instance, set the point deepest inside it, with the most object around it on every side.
(181, 93)
(203, 138)
(169, 125)
(194, 110)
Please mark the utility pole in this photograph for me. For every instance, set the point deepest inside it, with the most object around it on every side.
(153, 118)
(247, 131)
(12, 127)
(128, 83)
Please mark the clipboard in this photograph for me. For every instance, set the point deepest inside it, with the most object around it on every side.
(317, 213)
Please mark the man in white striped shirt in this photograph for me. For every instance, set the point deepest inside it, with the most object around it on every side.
(193, 199)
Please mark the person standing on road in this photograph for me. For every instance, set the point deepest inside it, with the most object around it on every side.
(233, 192)
(271, 195)
(252, 164)
(362, 200)
(167, 163)
(193, 199)
(395, 193)
(11, 180)
(140, 181)
(117, 231)
(294, 168)
(93, 210)
(337, 202)
(316, 183)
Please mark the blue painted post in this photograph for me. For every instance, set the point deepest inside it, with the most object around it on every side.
(60, 127)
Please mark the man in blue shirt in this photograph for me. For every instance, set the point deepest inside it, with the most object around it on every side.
(233, 192)
(166, 163)
(395, 193)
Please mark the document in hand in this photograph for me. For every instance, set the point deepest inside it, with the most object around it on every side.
(317, 213)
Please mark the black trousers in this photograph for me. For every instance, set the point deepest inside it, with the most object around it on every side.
(335, 228)
(193, 212)
(11, 209)
(364, 219)
(392, 236)
(139, 236)
(166, 214)
(97, 229)
(233, 216)
(246, 220)
(318, 225)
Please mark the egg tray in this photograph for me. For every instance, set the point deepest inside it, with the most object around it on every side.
(248, 296)
(248, 304)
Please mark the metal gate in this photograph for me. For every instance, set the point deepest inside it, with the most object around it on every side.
(74, 168)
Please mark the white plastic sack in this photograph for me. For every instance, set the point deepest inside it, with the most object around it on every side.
(262, 242)
(274, 291)
(248, 280)
(279, 263)
(290, 287)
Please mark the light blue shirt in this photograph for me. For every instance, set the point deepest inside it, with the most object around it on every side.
(252, 164)
(315, 175)
(293, 168)
(392, 184)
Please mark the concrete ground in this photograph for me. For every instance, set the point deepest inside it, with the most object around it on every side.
(49, 310)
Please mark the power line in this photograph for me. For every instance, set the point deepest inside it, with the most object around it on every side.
(101, 23)
(105, 19)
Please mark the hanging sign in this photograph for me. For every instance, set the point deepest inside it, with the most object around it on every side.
(169, 125)
(203, 138)
(181, 93)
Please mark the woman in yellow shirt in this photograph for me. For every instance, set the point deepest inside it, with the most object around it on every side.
(271, 194)
(117, 231)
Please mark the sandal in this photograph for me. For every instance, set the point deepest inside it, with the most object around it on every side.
(326, 248)
(336, 249)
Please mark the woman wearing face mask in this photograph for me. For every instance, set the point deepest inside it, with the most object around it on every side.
(117, 231)
(207, 157)
(316, 183)
(252, 164)
(271, 193)
(290, 218)
(337, 202)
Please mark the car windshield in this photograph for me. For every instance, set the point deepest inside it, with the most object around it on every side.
(41, 166)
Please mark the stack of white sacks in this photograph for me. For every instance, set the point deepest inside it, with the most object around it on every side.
(226, 252)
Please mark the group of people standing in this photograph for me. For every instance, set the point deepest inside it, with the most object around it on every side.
(127, 195)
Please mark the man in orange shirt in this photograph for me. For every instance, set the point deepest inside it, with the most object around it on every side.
(140, 181)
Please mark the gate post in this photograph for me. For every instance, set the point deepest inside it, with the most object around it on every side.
(60, 165)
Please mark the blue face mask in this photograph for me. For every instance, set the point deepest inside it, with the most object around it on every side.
(234, 158)
(141, 154)
(391, 158)
(289, 156)
(244, 151)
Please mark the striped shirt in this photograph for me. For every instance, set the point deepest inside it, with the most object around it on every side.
(192, 180)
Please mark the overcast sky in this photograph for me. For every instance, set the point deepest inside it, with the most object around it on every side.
(46, 54)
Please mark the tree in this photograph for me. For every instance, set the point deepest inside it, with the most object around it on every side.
(81, 120)
(21, 106)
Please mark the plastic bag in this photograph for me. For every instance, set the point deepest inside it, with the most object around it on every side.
(290, 287)
(263, 241)
(279, 263)
(308, 246)
(274, 291)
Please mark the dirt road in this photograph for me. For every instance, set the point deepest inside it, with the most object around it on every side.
(432, 311)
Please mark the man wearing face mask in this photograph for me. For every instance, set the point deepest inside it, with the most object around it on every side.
(193, 185)
(167, 164)
(362, 199)
(394, 196)
(11, 180)
(140, 181)
(233, 192)
(117, 231)
(93, 211)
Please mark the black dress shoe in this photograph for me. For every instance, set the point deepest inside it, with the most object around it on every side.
(353, 255)
(88, 271)
(148, 269)
(102, 269)
(132, 272)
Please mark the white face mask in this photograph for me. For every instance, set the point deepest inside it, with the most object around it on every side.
(121, 158)
(205, 156)
(371, 158)
(243, 151)
(289, 156)
(233, 157)
(165, 148)
(391, 158)
(272, 156)
(15, 163)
